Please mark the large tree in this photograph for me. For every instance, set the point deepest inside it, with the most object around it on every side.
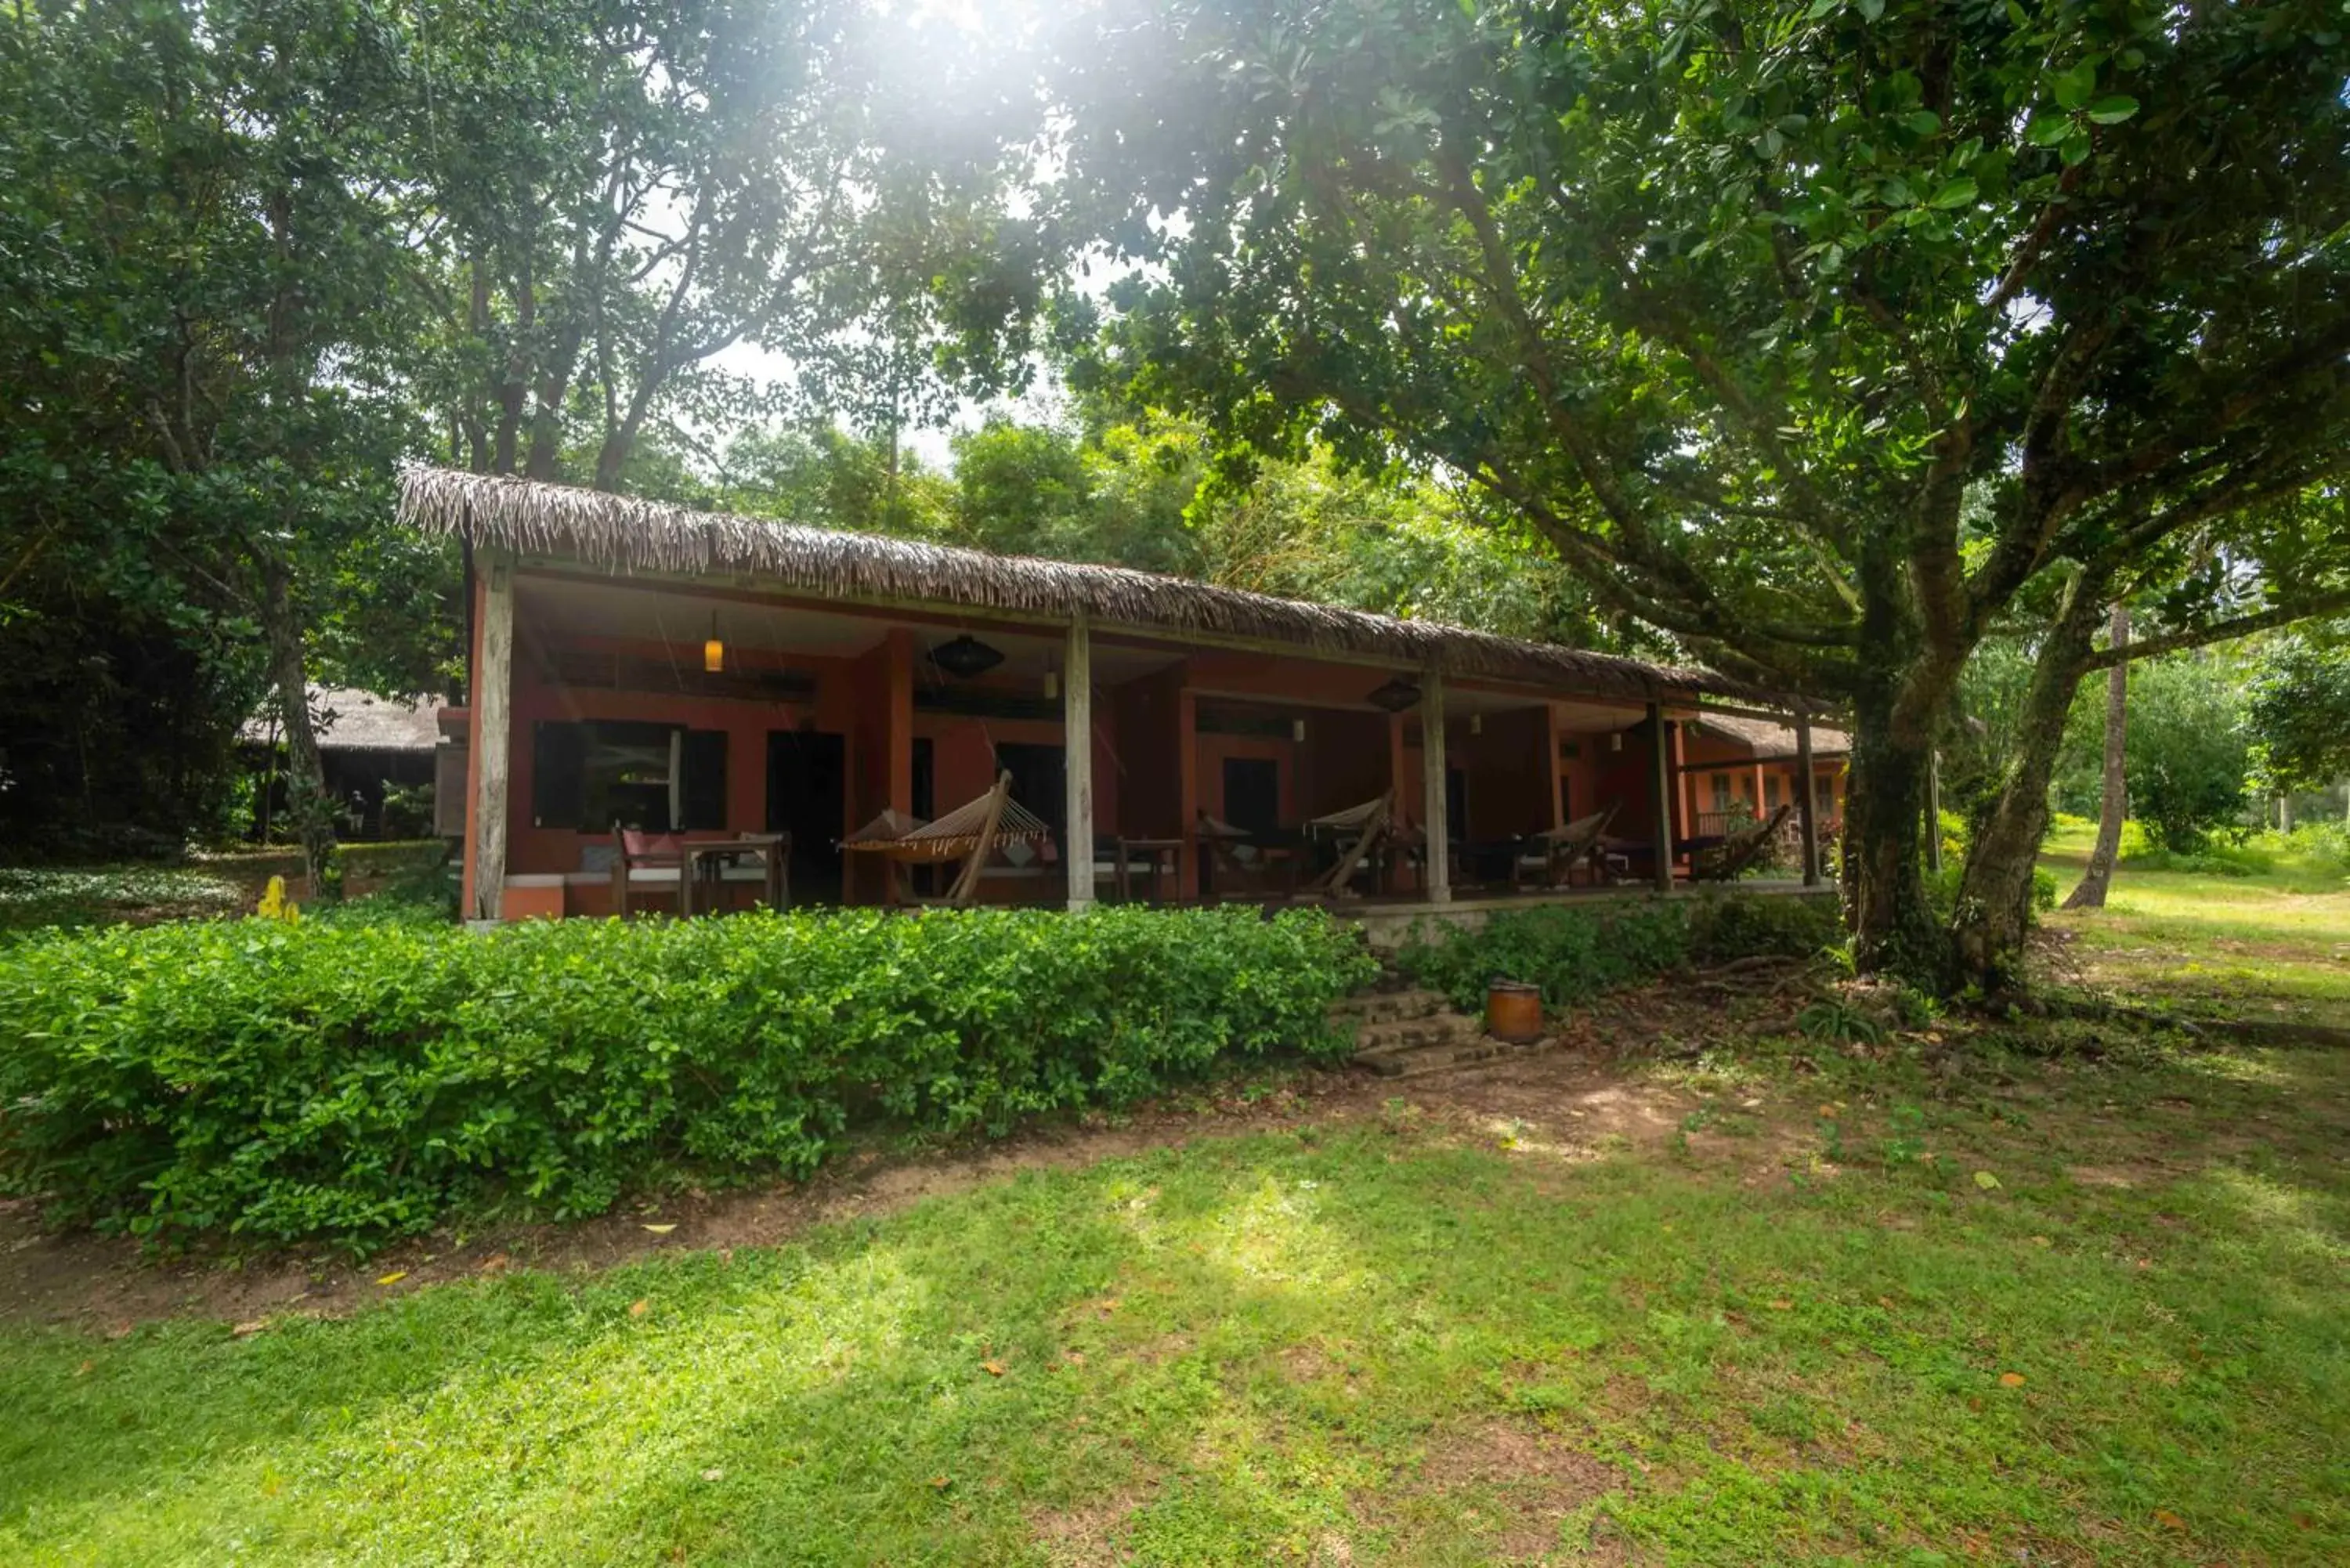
(2299, 709)
(613, 194)
(1827, 337)
(201, 425)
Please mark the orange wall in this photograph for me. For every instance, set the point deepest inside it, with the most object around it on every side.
(1148, 781)
(1146, 769)
(1214, 749)
(1506, 772)
(746, 721)
(1344, 762)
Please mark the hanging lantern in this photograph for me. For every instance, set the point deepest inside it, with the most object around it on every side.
(1476, 723)
(713, 651)
(1395, 696)
(1297, 729)
(965, 656)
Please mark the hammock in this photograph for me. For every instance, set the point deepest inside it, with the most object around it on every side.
(971, 833)
(1723, 861)
(1563, 847)
(1370, 823)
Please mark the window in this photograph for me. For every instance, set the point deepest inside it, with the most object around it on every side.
(1770, 791)
(659, 778)
(1721, 792)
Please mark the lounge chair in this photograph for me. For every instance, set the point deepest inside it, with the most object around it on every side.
(972, 833)
(1727, 858)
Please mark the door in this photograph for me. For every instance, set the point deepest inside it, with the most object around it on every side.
(1039, 781)
(1253, 793)
(808, 797)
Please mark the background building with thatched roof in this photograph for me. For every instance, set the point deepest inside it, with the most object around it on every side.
(376, 752)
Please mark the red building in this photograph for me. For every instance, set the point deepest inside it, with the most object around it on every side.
(713, 676)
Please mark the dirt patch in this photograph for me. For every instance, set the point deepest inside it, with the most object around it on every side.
(1521, 1485)
(1091, 1535)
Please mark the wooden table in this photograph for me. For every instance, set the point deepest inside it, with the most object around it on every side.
(1166, 858)
(710, 858)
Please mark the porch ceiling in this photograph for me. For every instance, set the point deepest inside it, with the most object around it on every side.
(681, 618)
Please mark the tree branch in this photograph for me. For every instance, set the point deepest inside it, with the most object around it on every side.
(2223, 631)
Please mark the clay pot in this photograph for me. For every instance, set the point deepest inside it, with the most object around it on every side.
(1514, 1012)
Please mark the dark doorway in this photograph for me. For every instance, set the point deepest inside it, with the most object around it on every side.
(925, 803)
(926, 806)
(1456, 806)
(1039, 781)
(808, 797)
(1253, 793)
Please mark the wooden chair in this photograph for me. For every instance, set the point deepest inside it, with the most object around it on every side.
(646, 862)
(1725, 860)
(1563, 848)
(1364, 831)
(972, 833)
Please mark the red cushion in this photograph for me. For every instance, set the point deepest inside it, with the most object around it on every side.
(638, 845)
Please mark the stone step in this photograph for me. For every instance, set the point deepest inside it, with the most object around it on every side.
(1386, 1007)
(1443, 1029)
(1422, 1060)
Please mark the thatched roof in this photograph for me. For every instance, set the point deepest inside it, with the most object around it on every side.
(622, 535)
(1767, 741)
(354, 720)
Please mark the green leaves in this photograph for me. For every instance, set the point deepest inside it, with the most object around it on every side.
(1574, 954)
(1954, 193)
(361, 1083)
(2072, 87)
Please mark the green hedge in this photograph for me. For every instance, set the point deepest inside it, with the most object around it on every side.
(1574, 952)
(361, 1082)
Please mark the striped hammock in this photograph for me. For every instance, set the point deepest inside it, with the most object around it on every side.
(995, 819)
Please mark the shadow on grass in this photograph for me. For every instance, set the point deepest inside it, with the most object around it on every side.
(1282, 1344)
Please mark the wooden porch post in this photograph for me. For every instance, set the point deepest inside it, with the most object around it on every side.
(1807, 809)
(901, 722)
(1552, 740)
(1660, 783)
(1399, 769)
(1187, 791)
(494, 701)
(1077, 762)
(1431, 763)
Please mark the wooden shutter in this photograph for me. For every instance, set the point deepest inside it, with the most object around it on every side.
(703, 788)
(559, 772)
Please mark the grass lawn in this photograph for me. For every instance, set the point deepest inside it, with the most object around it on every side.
(1756, 1308)
(41, 897)
(2062, 1295)
(2274, 943)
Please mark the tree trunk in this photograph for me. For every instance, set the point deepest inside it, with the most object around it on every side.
(305, 779)
(1893, 926)
(2091, 893)
(1995, 905)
